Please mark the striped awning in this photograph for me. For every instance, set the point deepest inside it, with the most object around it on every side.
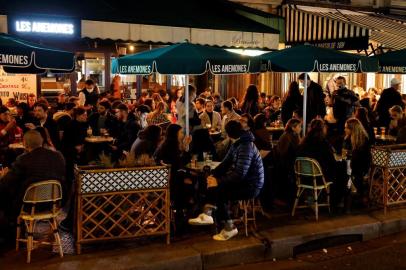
(308, 25)
(329, 24)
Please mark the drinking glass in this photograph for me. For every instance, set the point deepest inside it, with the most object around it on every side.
(205, 157)
(344, 153)
(383, 131)
(194, 161)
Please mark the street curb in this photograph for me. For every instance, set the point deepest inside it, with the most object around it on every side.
(204, 253)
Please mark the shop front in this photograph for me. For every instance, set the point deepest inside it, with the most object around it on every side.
(97, 38)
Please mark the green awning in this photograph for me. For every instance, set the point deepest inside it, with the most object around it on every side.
(393, 62)
(306, 58)
(20, 56)
(186, 58)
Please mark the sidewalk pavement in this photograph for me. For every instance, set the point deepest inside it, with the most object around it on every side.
(277, 237)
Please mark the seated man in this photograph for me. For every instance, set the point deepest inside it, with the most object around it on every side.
(240, 176)
(37, 164)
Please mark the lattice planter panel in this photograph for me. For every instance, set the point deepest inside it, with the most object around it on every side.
(122, 203)
(388, 176)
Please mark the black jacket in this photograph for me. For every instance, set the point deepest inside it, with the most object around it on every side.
(38, 165)
(344, 102)
(91, 98)
(321, 151)
(52, 128)
(74, 135)
(389, 97)
(291, 104)
(127, 133)
(242, 163)
(315, 102)
(110, 124)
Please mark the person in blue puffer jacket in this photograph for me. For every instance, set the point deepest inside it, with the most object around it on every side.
(240, 176)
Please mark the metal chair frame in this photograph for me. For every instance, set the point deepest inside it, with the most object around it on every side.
(308, 167)
(49, 191)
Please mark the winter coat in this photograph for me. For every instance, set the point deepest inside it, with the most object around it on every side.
(242, 163)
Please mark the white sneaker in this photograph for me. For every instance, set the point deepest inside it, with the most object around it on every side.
(202, 219)
(225, 235)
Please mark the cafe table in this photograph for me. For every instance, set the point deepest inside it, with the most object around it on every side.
(16, 146)
(275, 129)
(275, 132)
(99, 139)
(96, 145)
(199, 166)
(385, 139)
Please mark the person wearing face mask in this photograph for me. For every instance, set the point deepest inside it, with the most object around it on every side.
(344, 103)
(88, 95)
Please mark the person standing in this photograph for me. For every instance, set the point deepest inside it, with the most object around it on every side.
(389, 98)
(88, 95)
(251, 98)
(315, 106)
(292, 102)
(344, 102)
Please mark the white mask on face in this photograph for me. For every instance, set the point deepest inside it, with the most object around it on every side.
(90, 89)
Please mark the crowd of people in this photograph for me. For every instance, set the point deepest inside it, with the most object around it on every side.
(55, 139)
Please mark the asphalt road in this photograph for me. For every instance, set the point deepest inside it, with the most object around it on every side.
(388, 253)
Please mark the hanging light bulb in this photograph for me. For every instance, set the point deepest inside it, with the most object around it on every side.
(131, 48)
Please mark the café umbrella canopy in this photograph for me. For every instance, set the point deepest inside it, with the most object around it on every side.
(393, 62)
(186, 59)
(306, 58)
(21, 56)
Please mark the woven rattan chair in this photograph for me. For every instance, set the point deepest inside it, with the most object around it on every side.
(43, 193)
(310, 176)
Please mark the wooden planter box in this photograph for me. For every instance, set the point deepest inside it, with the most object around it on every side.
(121, 203)
(388, 175)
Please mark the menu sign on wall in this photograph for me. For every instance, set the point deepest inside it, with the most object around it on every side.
(17, 86)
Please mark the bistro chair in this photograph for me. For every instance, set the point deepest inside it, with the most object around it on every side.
(249, 208)
(44, 194)
(309, 176)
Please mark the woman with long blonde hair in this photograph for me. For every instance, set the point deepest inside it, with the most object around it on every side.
(359, 152)
(355, 131)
